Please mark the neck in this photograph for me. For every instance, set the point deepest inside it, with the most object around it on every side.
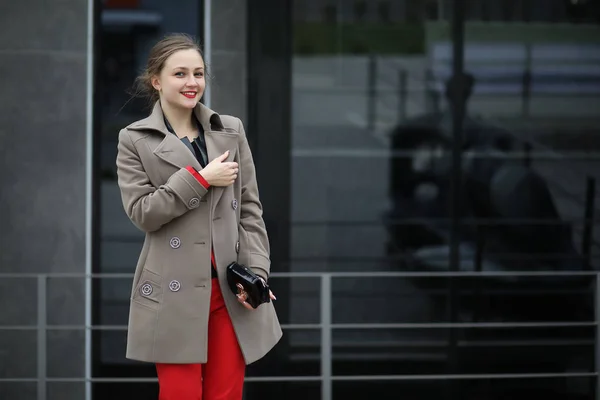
(179, 118)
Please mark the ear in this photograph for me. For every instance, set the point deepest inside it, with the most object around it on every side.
(155, 82)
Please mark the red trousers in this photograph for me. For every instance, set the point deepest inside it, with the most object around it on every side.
(222, 377)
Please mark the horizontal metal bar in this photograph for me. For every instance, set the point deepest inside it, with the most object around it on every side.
(301, 326)
(123, 327)
(525, 343)
(379, 154)
(464, 376)
(142, 380)
(478, 325)
(432, 220)
(338, 378)
(385, 345)
(51, 275)
(447, 325)
(434, 274)
(431, 325)
(64, 327)
(362, 274)
(385, 90)
(441, 257)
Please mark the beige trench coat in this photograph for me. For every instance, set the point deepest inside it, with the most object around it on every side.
(171, 290)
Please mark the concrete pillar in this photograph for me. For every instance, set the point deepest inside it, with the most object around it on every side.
(228, 61)
(43, 64)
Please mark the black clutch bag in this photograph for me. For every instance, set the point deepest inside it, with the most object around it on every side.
(257, 290)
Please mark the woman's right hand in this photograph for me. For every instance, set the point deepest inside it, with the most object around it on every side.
(219, 172)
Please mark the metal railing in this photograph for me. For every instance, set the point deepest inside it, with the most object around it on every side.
(325, 325)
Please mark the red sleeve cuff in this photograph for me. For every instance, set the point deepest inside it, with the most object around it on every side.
(198, 177)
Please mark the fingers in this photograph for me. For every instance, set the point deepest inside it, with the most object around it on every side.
(232, 173)
(247, 306)
(228, 168)
(222, 159)
(242, 296)
(224, 173)
(231, 168)
(223, 156)
(242, 300)
(231, 165)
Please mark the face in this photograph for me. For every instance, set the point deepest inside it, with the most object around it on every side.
(181, 82)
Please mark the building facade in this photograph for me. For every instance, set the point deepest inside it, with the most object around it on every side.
(427, 169)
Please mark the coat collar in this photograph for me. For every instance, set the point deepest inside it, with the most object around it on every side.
(172, 150)
(209, 119)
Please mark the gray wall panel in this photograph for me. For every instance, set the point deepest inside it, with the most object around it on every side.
(42, 186)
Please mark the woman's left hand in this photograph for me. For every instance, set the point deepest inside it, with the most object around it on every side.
(242, 296)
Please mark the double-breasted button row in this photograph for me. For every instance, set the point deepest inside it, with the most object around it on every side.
(146, 289)
(237, 247)
(234, 204)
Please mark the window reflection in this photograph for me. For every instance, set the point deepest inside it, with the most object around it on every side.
(372, 133)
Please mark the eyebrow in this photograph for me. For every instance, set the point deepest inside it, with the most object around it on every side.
(186, 68)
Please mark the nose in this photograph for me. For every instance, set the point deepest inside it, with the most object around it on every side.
(191, 81)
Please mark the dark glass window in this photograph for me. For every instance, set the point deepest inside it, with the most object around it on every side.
(372, 131)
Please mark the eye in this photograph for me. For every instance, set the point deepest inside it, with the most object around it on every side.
(179, 73)
(199, 74)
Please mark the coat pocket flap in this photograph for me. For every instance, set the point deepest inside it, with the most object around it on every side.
(148, 288)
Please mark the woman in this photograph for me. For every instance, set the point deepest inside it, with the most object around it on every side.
(187, 180)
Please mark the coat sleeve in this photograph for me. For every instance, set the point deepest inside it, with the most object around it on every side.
(148, 207)
(254, 242)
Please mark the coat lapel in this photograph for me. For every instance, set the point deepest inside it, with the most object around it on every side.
(173, 151)
(217, 143)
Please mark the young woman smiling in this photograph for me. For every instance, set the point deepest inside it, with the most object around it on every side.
(187, 179)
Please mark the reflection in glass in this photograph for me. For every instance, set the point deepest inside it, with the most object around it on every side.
(372, 133)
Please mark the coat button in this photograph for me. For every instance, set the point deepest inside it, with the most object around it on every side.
(194, 202)
(237, 247)
(174, 286)
(234, 204)
(175, 242)
(146, 289)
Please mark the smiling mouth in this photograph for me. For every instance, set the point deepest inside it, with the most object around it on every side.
(190, 95)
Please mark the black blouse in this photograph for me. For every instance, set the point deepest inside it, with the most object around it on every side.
(197, 146)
